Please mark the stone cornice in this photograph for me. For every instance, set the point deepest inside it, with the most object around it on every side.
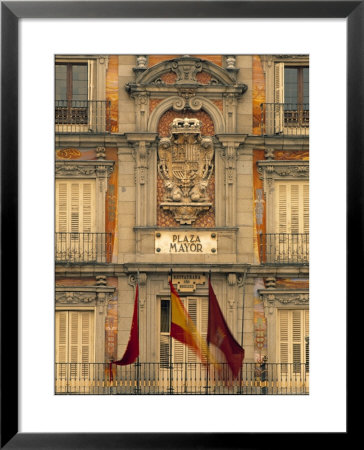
(83, 169)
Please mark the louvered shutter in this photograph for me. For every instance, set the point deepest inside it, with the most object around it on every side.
(293, 331)
(61, 343)
(278, 97)
(74, 340)
(75, 206)
(291, 221)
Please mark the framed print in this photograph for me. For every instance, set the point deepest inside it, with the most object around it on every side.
(182, 247)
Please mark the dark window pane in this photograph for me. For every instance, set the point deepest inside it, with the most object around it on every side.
(164, 316)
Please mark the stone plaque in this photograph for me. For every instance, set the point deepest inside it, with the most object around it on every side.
(187, 282)
(186, 242)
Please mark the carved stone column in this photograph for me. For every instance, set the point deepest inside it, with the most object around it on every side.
(230, 145)
(144, 175)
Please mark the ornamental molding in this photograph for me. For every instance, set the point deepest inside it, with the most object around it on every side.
(84, 169)
(283, 298)
(270, 171)
(90, 296)
(186, 68)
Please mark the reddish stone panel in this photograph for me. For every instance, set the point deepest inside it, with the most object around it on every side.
(156, 59)
(169, 77)
(112, 93)
(219, 104)
(207, 123)
(153, 102)
(297, 156)
(258, 93)
(203, 77)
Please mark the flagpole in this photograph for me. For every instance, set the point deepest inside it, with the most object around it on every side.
(208, 342)
(170, 343)
(137, 362)
(242, 326)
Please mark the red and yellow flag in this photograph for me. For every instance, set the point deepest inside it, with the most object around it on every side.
(184, 330)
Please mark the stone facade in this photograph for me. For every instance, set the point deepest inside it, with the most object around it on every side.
(223, 99)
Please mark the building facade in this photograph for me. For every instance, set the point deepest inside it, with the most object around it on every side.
(181, 166)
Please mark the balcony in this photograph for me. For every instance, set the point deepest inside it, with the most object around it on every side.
(284, 248)
(82, 116)
(291, 119)
(83, 248)
(181, 378)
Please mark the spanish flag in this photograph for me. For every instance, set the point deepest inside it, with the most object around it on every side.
(184, 330)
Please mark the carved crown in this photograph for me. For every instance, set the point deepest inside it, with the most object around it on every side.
(186, 125)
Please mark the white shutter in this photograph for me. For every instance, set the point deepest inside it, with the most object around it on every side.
(292, 211)
(75, 206)
(278, 97)
(293, 330)
(74, 338)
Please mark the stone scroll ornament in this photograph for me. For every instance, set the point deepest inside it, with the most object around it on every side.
(185, 165)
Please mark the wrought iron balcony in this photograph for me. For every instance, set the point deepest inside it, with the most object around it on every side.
(181, 378)
(284, 248)
(83, 248)
(284, 119)
(82, 116)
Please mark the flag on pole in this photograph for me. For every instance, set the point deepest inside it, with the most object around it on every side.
(132, 349)
(218, 334)
(183, 328)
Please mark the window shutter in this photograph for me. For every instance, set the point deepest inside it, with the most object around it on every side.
(306, 208)
(292, 214)
(75, 206)
(283, 336)
(74, 340)
(278, 97)
(282, 208)
(164, 351)
(293, 331)
(192, 311)
(279, 83)
(307, 342)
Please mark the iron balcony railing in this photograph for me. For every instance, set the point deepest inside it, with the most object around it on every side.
(284, 118)
(181, 378)
(82, 116)
(284, 248)
(78, 248)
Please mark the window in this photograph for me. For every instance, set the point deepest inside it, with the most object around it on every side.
(71, 93)
(290, 241)
(293, 340)
(197, 308)
(76, 240)
(74, 345)
(291, 98)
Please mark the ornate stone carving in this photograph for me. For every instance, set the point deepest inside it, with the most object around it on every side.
(83, 169)
(186, 70)
(185, 165)
(75, 297)
(273, 299)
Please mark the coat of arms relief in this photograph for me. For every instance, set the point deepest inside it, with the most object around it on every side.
(185, 165)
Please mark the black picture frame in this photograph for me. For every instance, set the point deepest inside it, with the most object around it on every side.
(11, 12)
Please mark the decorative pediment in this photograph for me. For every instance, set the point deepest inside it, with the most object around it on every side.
(184, 71)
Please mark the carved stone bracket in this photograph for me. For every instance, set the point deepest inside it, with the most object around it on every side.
(273, 299)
